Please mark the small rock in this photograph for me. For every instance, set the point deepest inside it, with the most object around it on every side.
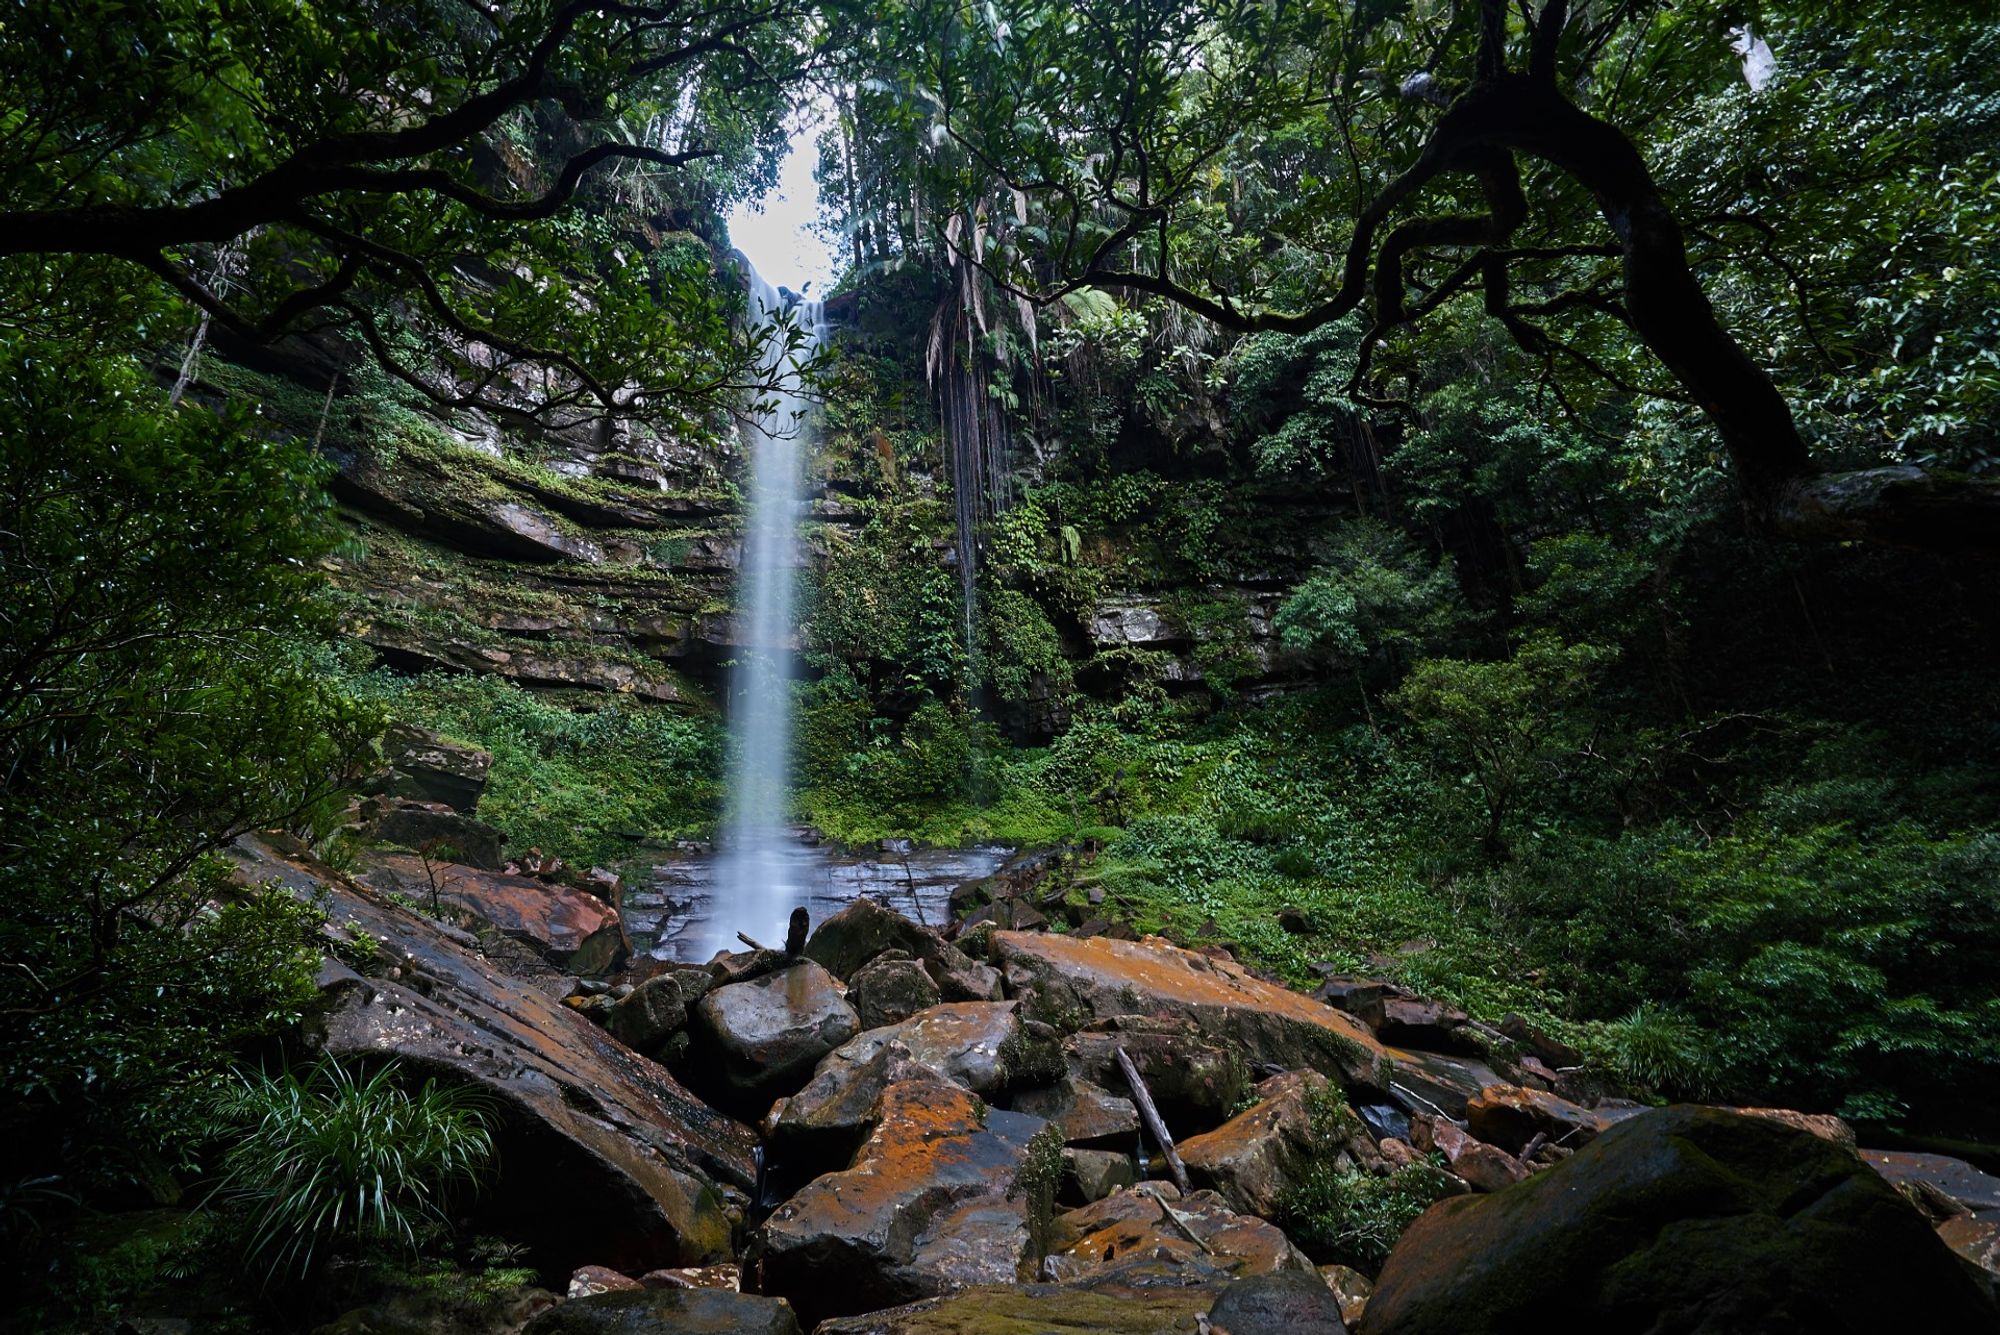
(890, 989)
(1091, 1175)
(695, 1277)
(1510, 1117)
(1156, 1222)
(1087, 1114)
(1350, 1288)
(1281, 1304)
(1293, 921)
(649, 1014)
(589, 1280)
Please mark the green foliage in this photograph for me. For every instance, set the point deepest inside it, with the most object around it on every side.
(1348, 1215)
(160, 609)
(586, 783)
(330, 1157)
(1500, 724)
(1378, 596)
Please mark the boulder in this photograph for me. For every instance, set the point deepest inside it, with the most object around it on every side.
(1954, 1178)
(1681, 1219)
(682, 1311)
(1431, 1082)
(890, 989)
(438, 829)
(864, 929)
(1975, 1239)
(1087, 1114)
(770, 1032)
(1262, 1022)
(576, 932)
(725, 1276)
(1363, 998)
(1198, 1234)
(424, 766)
(1510, 1116)
(587, 1281)
(649, 1014)
(1481, 1166)
(960, 1042)
(1091, 1175)
(1287, 1303)
(1130, 1300)
(1253, 1157)
(1824, 1125)
(1414, 1022)
(610, 1160)
(1194, 1078)
(943, 1194)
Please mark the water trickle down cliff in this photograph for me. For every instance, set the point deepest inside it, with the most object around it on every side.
(759, 867)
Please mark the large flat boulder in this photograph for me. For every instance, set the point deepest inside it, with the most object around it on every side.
(577, 932)
(1682, 1219)
(1087, 1114)
(1510, 1116)
(1198, 1234)
(768, 1033)
(1195, 1078)
(945, 1193)
(1100, 978)
(606, 1158)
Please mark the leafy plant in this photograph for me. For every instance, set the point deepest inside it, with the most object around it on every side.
(330, 1156)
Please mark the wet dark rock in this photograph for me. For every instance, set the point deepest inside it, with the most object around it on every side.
(864, 929)
(1287, 1303)
(682, 1311)
(1510, 1117)
(1976, 1190)
(943, 1194)
(649, 1014)
(1431, 1082)
(1414, 1022)
(606, 1158)
(1136, 1299)
(1087, 1114)
(890, 989)
(1154, 1222)
(1362, 998)
(1092, 1175)
(1194, 1080)
(432, 827)
(770, 1032)
(965, 1043)
(1682, 1219)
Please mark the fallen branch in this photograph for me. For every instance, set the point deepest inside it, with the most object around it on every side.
(1150, 1115)
(751, 941)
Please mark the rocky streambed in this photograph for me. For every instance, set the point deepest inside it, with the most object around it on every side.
(928, 1129)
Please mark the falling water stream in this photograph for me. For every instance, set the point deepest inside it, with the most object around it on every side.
(759, 870)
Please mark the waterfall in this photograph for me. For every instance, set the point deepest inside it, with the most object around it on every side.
(976, 438)
(760, 872)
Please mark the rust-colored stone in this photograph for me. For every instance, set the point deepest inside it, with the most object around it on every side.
(1154, 1223)
(1102, 977)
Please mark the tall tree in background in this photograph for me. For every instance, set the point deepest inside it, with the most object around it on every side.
(1277, 168)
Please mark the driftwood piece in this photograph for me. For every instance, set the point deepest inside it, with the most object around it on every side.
(751, 941)
(1150, 1115)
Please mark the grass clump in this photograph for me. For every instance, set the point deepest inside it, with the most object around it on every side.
(332, 1157)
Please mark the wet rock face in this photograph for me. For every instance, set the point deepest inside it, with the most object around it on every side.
(605, 1157)
(1264, 1023)
(1509, 1117)
(771, 1031)
(429, 825)
(1087, 1114)
(574, 931)
(1681, 1219)
(641, 1311)
(1195, 1080)
(943, 1194)
(1199, 1235)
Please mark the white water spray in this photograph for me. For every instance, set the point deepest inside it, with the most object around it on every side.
(760, 871)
